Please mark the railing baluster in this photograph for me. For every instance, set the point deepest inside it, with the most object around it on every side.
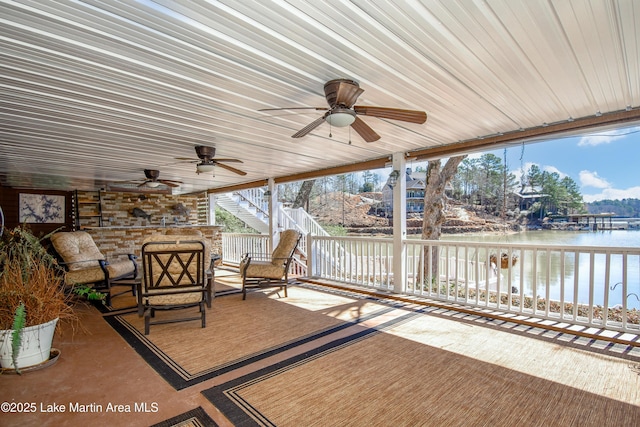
(547, 287)
(607, 282)
(592, 267)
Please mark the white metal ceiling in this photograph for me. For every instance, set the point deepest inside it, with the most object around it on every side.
(96, 91)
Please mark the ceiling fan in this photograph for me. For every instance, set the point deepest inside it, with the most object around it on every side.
(341, 96)
(207, 163)
(152, 180)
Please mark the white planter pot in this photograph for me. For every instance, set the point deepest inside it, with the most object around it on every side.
(34, 349)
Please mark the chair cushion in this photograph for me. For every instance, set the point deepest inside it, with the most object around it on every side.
(86, 275)
(160, 298)
(77, 249)
(286, 245)
(264, 269)
(95, 274)
(120, 268)
(181, 237)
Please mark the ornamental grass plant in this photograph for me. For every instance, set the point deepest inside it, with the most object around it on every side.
(31, 276)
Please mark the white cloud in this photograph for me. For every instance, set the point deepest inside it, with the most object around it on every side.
(553, 169)
(591, 179)
(606, 137)
(613, 194)
(545, 168)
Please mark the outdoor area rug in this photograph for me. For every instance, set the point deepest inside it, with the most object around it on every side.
(436, 370)
(240, 333)
(327, 356)
(194, 418)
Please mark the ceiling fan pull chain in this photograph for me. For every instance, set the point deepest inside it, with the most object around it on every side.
(330, 136)
(349, 135)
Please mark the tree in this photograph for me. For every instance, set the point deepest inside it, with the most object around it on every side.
(370, 180)
(560, 195)
(465, 180)
(367, 187)
(302, 199)
(574, 203)
(490, 182)
(437, 178)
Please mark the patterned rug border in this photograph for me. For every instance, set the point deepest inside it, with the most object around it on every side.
(180, 379)
(198, 414)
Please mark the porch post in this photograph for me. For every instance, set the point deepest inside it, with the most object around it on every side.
(211, 214)
(399, 223)
(273, 213)
(310, 255)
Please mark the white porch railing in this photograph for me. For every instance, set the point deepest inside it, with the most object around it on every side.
(360, 261)
(592, 286)
(255, 197)
(235, 245)
(301, 218)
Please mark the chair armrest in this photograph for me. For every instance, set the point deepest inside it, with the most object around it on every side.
(99, 261)
(258, 256)
(132, 257)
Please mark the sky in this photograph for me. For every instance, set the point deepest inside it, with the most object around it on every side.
(605, 164)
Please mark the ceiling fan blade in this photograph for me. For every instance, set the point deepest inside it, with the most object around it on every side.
(144, 183)
(411, 116)
(229, 160)
(308, 128)
(364, 130)
(229, 168)
(170, 183)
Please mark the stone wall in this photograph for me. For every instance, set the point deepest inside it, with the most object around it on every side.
(115, 242)
(117, 208)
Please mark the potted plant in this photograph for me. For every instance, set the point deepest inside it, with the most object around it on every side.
(32, 300)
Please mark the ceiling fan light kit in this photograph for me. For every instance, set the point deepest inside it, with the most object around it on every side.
(205, 167)
(341, 117)
(207, 162)
(153, 180)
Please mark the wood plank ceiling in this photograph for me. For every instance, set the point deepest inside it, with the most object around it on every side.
(94, 92)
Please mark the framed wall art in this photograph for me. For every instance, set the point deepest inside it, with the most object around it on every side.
(42, 208)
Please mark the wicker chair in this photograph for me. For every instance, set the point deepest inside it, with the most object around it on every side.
(86, 265)
(264, 271)
(175, 276)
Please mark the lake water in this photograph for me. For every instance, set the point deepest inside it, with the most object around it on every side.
(614, 238)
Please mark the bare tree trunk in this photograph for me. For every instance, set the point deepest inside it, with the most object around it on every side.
(302, 199)
(434, 203)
